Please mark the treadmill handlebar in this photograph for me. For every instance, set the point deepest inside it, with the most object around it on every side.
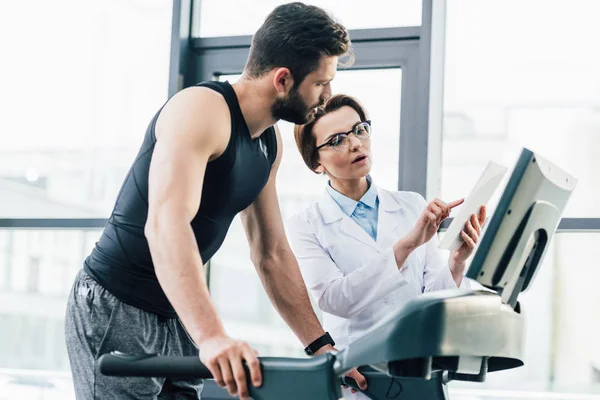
(280, 374)
(152, 365)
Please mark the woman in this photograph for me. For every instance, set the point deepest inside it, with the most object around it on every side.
(364, 251)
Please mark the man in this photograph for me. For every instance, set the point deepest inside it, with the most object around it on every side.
(211, 152)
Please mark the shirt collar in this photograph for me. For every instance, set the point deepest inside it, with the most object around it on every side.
(347, 204)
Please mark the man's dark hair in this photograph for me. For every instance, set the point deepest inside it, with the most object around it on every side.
(296, 36)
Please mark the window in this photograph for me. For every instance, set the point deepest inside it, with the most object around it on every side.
(82, 83)
(509, 86)
(39, 269)
(237, 17)
(512, 80)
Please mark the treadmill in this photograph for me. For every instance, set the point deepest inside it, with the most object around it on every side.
(434, 339)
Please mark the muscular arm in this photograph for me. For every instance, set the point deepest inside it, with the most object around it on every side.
(275, 261)
(186, 141)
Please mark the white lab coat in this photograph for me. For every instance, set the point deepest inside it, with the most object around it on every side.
(354, 279)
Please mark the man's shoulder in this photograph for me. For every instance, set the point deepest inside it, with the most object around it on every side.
(198, 113)
(200, 100)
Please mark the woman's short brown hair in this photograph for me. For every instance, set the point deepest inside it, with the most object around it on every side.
(305, 137)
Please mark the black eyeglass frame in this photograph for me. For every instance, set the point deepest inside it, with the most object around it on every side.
(353, 131)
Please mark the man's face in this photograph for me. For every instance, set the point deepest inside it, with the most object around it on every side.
(300, 105)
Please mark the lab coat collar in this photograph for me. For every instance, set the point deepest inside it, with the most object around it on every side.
(387, 202)
(349, 205)
(332, 212)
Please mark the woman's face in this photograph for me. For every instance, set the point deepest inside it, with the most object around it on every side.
(344, 163)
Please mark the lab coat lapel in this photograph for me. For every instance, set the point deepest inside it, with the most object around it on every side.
(387, 218)
(332, 213)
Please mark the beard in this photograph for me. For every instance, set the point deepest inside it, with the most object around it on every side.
(293, 109)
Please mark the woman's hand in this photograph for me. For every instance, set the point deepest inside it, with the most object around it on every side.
(429, 222)
(470, 235)
(354, 374)
(359, 378)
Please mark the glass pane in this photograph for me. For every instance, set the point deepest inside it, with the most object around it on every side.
(255, 319)
(532, 85)
(37, 268)
(238, 17)
(562, 326)
(80, 97)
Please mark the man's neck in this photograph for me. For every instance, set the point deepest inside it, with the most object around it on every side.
(255, 102)
(354, 189)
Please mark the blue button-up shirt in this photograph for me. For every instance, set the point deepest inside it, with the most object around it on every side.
(363, 212)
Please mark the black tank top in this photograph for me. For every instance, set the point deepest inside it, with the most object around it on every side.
(121, 261)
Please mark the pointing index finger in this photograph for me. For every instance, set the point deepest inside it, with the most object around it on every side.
(456, 203)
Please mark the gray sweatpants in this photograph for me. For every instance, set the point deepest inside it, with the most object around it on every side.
(97, 323)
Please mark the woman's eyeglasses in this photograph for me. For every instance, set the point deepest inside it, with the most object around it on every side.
(340, 141)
